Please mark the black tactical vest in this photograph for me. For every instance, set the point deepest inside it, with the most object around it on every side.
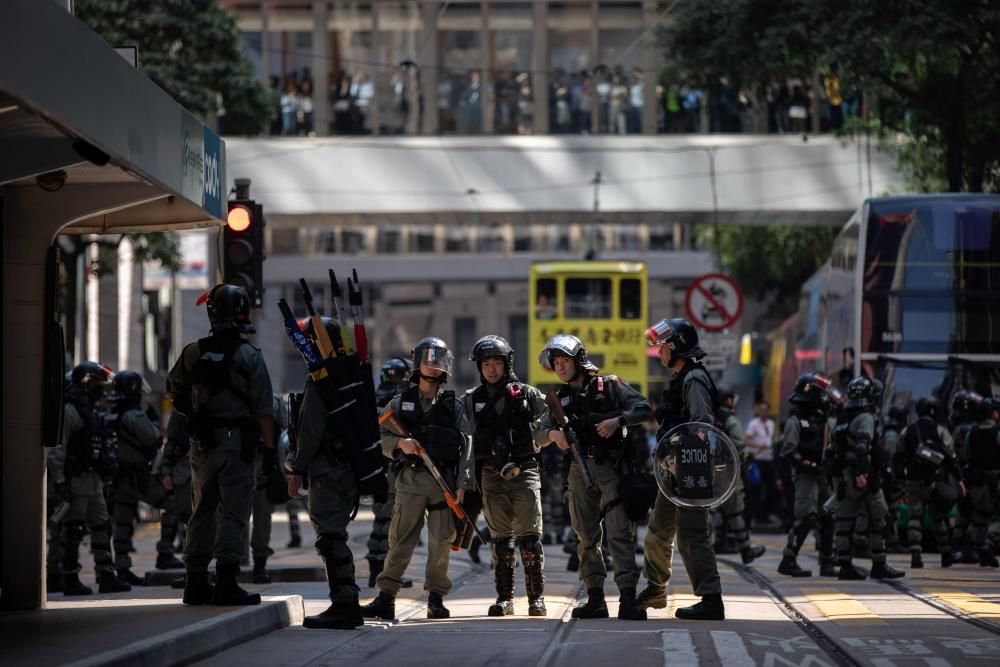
(93, 448)
(984, 452)
(586, 409)
(129, 447)
(812, 426)
(925, 453)
(677, 411)
(434, 429)
(512, 423)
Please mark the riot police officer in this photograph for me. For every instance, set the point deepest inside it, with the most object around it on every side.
(691, 396)
(175, 475)
(984, 464)
(221, 384)
(139, 440)
(928, 454)
(394, 377)
(319, 457)
(506, 438)
(82, 464)
(599, 408)
(962, 419)
(733, 509)
(806, 435)
(435, 420)
(859, 457)
(893, 485)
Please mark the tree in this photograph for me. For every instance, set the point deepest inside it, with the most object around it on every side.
(933, 64)
(190, 48)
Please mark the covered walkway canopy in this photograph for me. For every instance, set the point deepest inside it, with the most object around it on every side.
(87, 145)
(738, 179)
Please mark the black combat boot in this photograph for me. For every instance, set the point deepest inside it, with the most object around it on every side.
(751, 553)
(916, 561)
(882, 570)
(227, 592)
(628, 608)
(652, 597)
(73, 586)
(260, 575)
(533, 558)
(594, 607)
(827, 567)
(435, 606)
(109, 583)
(338, 616)
(987, 559)
(474, 550)
(790, 568)
(947, 558)
(131, 578)
(850, 573)
(383, 606)
(709, 609)
(168, 562)
(503, 578)
(295, 542)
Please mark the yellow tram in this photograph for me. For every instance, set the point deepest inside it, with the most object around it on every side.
(604, 303)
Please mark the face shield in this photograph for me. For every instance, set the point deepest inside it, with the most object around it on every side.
(562, 344)
(659, 333)
(436, 358)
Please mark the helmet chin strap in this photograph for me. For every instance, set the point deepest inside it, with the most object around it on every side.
(433, 379)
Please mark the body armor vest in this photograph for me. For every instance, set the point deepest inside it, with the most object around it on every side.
(811, 429)
(984, 451)
(925, 453)
(509, 428)
(129, 447)
(677, 411)
(435, 429)
(586, 409)
(93, 448)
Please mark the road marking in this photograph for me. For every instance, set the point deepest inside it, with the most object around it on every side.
(840, 607)
(967, 602)
(732, 652)
(678, 649)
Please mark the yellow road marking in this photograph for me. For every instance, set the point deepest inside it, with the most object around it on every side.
(840, 607)
(967, 602)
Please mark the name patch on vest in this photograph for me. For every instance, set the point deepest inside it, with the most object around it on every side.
(566, 400)
(408, 405)
(479, 407)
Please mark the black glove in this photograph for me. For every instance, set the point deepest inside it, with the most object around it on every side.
(152, 414)
(62, 491)
(270, 458)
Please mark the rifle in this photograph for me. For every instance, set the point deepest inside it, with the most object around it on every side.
(449, 497)
(323, 341)
(562, 422)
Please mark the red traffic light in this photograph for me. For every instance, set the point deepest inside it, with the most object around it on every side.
(239, 219)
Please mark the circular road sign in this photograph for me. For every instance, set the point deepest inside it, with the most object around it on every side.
(714, 302)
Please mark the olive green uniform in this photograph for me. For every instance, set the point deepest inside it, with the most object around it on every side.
(811, 486)
(984, 480)
(222, 472)
(333, 492)
(88, 510)
(587, 507)
(732, 511)
(177, 465)
(920, 486)
(689, 526)
(854, 500)
(138, 441)
(418, 496)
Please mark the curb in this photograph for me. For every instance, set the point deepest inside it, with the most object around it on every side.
(278, 575)
(205, 638)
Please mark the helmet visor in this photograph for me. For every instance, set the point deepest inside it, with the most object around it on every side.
(437, 358)
(659, 333)
(564, 344)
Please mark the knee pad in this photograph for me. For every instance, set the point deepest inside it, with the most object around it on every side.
(531, 547)
(503, 549)
(74, 531)
(327, 543)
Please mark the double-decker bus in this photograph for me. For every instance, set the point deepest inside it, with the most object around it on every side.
(910, 295)
(604, 303)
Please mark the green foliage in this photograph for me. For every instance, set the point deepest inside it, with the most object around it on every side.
(190, 49)
(161, 247)
(772, 262)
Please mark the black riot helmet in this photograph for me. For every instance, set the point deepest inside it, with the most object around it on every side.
(964, 404)
(307, 327)
(434, 353)
(897, 416)
(130, 386)
(565, 345)
(89, 379)
(725, 392)
(929, 406)
(679, 335)
(987, 408)
(861, 393)
(396, 371)
(493, 346)
(810, 388)
(228, 309)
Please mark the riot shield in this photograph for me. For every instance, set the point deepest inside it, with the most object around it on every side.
(696, 465)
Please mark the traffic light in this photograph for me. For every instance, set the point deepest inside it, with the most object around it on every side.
(243, 248)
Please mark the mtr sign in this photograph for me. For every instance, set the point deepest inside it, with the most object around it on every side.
(243, 248)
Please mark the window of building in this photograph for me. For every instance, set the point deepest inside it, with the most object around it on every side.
(465, 338)
(661, 237)
(389, 240)
(570, 61)
(460, 93)
(284, 241)
(491, 239)
(546, 307)
(620, 91)
(588, 298)
(353, 241)
(630, 298)
(422, 239)
(511, 38)
(457, 239)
